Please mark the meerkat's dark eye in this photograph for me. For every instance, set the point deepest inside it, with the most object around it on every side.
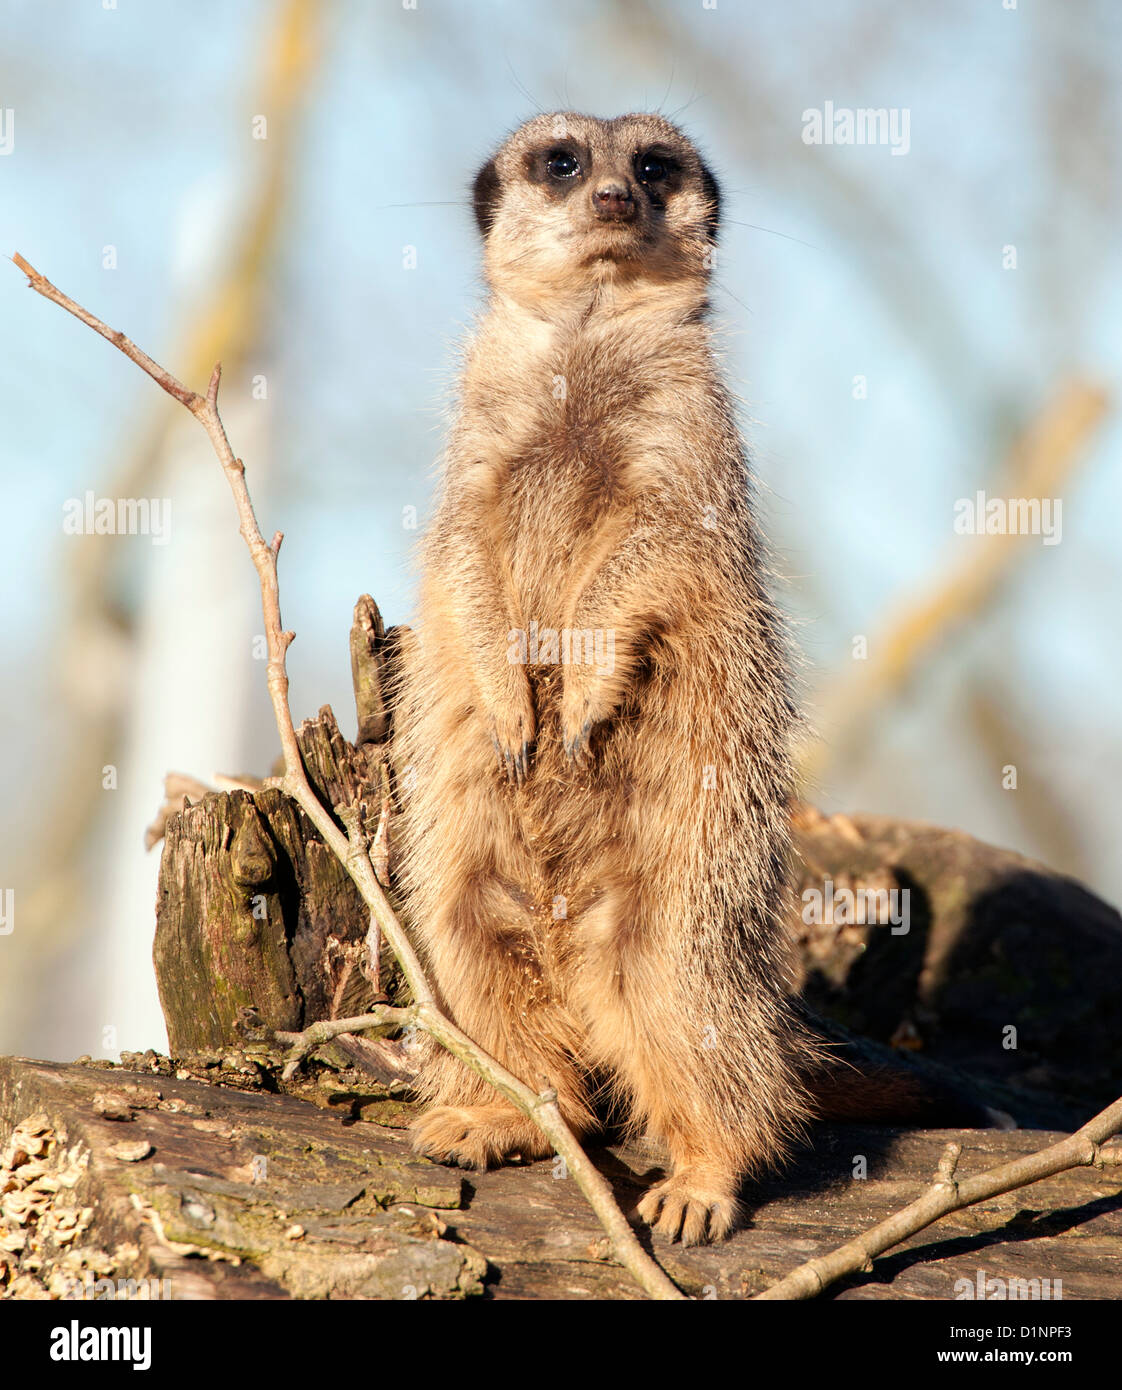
(562, 165)
(652, 168)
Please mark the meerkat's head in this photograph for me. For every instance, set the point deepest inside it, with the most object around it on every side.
(569, 202)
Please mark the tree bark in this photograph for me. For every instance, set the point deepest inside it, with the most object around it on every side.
(258, 925)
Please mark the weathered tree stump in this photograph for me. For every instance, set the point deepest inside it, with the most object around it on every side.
(258, 925)
(254, 913)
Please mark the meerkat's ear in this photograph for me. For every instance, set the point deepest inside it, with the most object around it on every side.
(484, 196)
(713, 193)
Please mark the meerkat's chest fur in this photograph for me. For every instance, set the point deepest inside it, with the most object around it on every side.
(567, 444)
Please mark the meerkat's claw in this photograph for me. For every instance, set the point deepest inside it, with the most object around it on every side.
(513, 752)
(579, 746)
(689, 1207)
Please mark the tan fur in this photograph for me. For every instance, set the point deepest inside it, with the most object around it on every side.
(594, 858)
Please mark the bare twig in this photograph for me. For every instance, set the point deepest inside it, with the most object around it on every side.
(356, 835)
(303, 1044)
(1081, 1149)
(351, 849)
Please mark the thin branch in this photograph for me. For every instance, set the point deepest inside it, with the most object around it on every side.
(303, 1044)
(1082, 1149)
(351, 850)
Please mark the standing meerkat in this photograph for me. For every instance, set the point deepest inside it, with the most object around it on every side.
(596, 713)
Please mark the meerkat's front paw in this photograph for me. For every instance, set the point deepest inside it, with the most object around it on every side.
(513, 727)
(477, 1136)
(579, 717)
(692, 1204)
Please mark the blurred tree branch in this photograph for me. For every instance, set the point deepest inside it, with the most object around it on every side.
(997, 715)
(97, 633)
(1039, 463)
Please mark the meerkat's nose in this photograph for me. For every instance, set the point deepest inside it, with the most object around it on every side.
(612, 202)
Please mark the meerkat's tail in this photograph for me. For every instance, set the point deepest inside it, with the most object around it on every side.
(858, 1081)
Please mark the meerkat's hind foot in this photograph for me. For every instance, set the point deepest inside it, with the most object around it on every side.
(477, 1136)
(691, 1205)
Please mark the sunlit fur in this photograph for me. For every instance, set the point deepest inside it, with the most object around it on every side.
(610, 916)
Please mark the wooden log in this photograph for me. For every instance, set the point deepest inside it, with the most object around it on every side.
(302, 1201)
(254, 913)
(1007, 969)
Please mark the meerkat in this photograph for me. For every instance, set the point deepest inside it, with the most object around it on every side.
(596, 714)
